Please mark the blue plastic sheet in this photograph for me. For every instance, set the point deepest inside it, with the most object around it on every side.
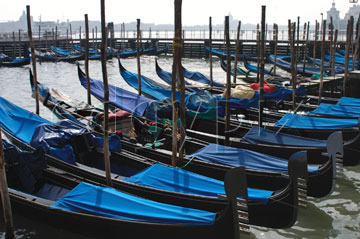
(19, 122)
(147, 87)
(257, 135)
(336, 110)
(199, 77)
(123, 99)
(108, 202)
(306, 122)
(236, 157)
(179, 180)
(349, 101)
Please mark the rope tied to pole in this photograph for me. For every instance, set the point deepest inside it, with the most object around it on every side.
(175, 43)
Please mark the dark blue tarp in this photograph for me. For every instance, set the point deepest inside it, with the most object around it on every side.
(236, 157)
(108, 202)
(55, 139)
(257, 135)
(23, 168)
(179, 180)
(336, 110)
(349, 101)
(123, 99)
(306, 122)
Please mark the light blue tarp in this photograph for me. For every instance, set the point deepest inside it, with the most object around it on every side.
(236, 157)
(349, 101)
(179, 180)
(306, 122)
(123, 99)
(257, 135)
(82, 49)
(336, 110)
(108, 202)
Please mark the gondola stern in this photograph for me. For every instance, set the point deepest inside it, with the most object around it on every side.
(238, 198)
(298, 172)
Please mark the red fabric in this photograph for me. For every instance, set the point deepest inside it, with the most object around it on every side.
(268, 88)
(120, 114)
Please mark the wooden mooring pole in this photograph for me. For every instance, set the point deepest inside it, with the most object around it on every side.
(138, 55)
(228, 82)
(87, 59)
(237, 51)
(106, 95)
(315, 40)
(33, 58)
(210, 53)
(347, 53)
(5, 199)
(322, 61)
(275, 38)
(19, 43)
(333, 53)
(262, 64)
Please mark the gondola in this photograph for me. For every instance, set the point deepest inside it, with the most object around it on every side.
(23, 61)
(196, 77)
(328, 168)
(222, 53)
(63, 200)
(285, 193)
(54, 57)
(283, 63)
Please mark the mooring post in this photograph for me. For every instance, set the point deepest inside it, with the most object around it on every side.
(178, 43)
(106, 95)
(275, 38)
(19, 43)
(293, 54)
(333, 54)
(33, 58)
(258, 52)
(210, 53)
(5, 199)
(305, 52)
(347, 53)
(138, 55)
(237, 51)
(228, 82)
(72, 40)
(39, 46)
(315, 40)
(14, 46)
(87, 59)
(322, 61)
(262, 65)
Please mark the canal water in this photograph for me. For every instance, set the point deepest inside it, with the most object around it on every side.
(335, 216)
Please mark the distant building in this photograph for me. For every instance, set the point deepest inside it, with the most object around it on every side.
(339, 23)
(335, 14)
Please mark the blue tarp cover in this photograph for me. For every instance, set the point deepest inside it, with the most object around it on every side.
(336, 110)
(123, 99)
(19, 122)
(199, 77)
(306, 122)
(349, 101)
(179, 180)
(257, 135)
(147, 87)
(108, 202)
(236, 157)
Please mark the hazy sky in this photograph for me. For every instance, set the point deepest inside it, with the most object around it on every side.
(195, 12)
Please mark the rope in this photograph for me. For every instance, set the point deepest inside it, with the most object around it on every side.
(187, 163)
